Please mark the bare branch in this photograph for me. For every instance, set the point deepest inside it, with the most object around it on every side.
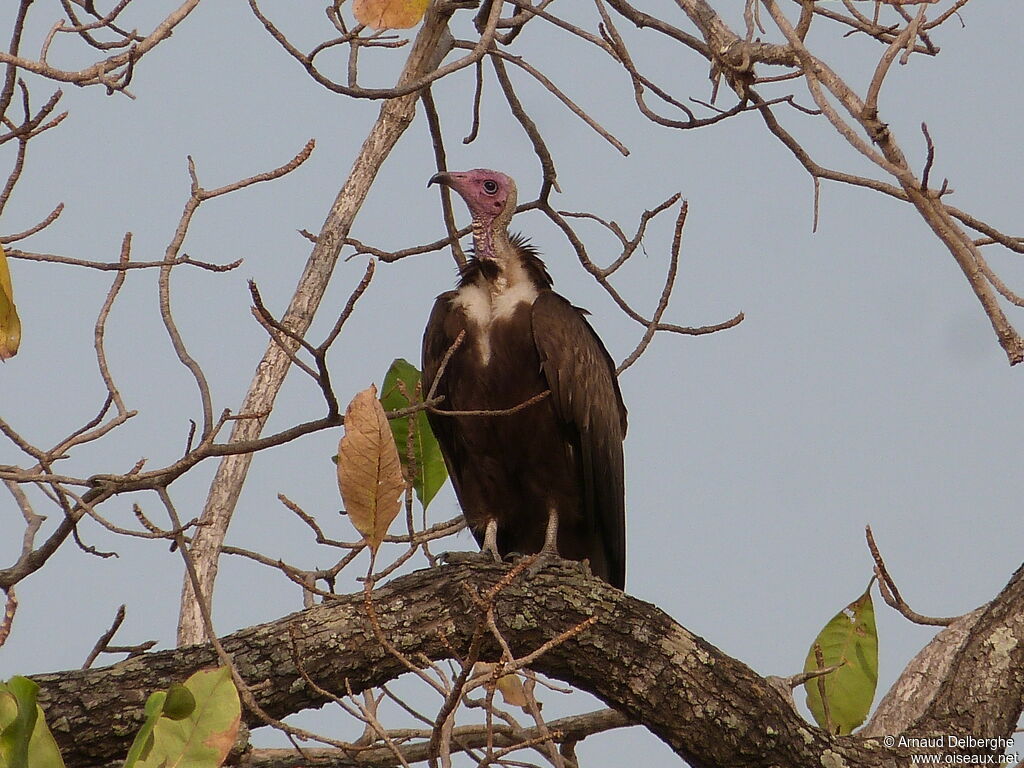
(891, 594)
(115, 71)
(10, 608)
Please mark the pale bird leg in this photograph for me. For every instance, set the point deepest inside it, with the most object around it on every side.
(551, 534)
(491, 540)
(549, 552)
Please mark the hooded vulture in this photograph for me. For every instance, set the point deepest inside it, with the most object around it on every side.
(546, 478)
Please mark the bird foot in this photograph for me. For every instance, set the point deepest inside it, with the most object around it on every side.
(544, 559)
(547, 559)
(459, 558)
(584, 566)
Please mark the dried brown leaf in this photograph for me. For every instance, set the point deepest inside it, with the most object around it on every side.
(389, 14)
(369, 470)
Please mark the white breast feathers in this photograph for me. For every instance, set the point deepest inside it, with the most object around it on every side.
(485, 304)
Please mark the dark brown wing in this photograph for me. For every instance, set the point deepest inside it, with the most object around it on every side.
(586, 396)
(436, 342)
(435, 339)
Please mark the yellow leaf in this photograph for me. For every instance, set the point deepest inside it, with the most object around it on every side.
(369, 470)
(390, 14)
(509, 686)
(10, 325)
(512, 691)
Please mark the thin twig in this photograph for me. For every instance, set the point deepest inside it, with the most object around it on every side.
(105, 638)
(891, 593)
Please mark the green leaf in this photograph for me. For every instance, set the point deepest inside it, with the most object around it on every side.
(8, 714)
(431, 471)
(851, 640)
(143, 742)
(24, 738)
(19, 722)
(203, 737)
(180, 702)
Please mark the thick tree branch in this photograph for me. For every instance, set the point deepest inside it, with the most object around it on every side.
(917, 685)
(710, 708)
(986, 675)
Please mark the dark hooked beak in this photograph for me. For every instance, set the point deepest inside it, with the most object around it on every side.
(441, 178)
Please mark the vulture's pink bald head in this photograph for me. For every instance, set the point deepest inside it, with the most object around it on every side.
(489, 194)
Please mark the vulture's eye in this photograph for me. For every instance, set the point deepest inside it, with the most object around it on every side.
(490, 187)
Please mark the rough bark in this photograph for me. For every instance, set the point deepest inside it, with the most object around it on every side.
(986, 674)
(710, 708)
(920, 680)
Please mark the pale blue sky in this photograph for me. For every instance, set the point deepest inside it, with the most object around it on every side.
(864, 386)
